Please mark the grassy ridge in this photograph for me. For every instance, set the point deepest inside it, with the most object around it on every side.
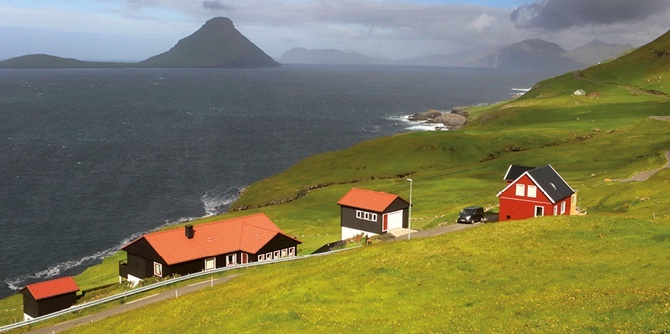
(601, 272)
(545, 275)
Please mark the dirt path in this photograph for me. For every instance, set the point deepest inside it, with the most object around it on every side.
(644, 176)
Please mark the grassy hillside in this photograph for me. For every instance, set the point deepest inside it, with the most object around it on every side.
(580, 274)
(603, 272)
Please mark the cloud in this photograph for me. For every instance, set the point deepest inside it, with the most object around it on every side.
(216, 5)
(561, 14)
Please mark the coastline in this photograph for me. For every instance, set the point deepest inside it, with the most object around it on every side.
(80, 264)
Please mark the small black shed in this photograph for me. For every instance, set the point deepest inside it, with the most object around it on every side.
(49, 296)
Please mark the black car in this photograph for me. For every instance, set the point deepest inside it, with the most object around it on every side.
(471, 214)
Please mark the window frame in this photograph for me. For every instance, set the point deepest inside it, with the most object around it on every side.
(366, 215)
(213, 261)
(520, 190)
(158, 269)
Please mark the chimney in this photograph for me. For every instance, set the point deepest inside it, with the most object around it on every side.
(188, 230)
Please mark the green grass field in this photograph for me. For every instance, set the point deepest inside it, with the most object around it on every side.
(602, 272)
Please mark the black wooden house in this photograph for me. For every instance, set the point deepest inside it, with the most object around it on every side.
(371, 213)
(207, 246)
(49, 296)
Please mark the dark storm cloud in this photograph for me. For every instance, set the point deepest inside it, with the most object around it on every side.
(559, 14)
(215, 5)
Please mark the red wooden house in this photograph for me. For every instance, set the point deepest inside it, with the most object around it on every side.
(48, 297)
(207, 246)
(371, 213)
(533, 192)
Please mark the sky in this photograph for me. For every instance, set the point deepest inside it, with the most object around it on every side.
(133, 30)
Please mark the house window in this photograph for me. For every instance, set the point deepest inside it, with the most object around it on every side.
(520, 190)
(284, 252)
(158, 269)
(276, 254)
(532, 191)
(261, 257)
(231, 260)
(268, 256)
(555, 210)
(291, 251)
(539, 211)
(210, 263)
(366, 215)
(563, 207)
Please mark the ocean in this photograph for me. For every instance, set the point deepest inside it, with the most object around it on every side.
(92, 158)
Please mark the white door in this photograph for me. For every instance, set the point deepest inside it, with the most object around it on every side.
(394, 220)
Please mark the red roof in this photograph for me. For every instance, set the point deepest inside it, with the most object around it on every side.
(376, 201)
(53, 288)
(248, 234)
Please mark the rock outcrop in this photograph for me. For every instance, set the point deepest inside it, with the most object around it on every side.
(450, 120)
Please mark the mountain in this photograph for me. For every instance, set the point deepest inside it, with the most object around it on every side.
(597, 51)
(531, 53)
(216, 44)
(534, 53)
(49, 61)
(462, 58)
(327, 56)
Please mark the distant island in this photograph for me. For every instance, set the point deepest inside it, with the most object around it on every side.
(217, 44)
(530, 53)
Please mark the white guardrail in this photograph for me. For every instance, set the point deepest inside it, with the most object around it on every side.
(154, 286)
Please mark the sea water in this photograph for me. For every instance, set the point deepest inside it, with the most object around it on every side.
(92, 158)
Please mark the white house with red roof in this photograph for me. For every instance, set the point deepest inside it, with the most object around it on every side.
(49, 296)
(205, 247)
(371, 213)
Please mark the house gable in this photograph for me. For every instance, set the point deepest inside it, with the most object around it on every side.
(141, 247)
(52, 288)
(514, 171)
(546, 179)
(373, 201)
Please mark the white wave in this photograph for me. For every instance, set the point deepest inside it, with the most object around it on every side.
(214, 202)
(415, 125)
(17, 283)
(520, 89)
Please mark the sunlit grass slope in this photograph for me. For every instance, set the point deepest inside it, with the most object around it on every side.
(569, 274)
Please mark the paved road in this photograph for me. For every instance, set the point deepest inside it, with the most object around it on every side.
(490, 218)
(644, 176)
(134, 304)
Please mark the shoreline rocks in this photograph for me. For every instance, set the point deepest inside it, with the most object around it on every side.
(451, 120)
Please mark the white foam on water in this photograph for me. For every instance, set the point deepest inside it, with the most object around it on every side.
(415, 125)
(214, 202)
